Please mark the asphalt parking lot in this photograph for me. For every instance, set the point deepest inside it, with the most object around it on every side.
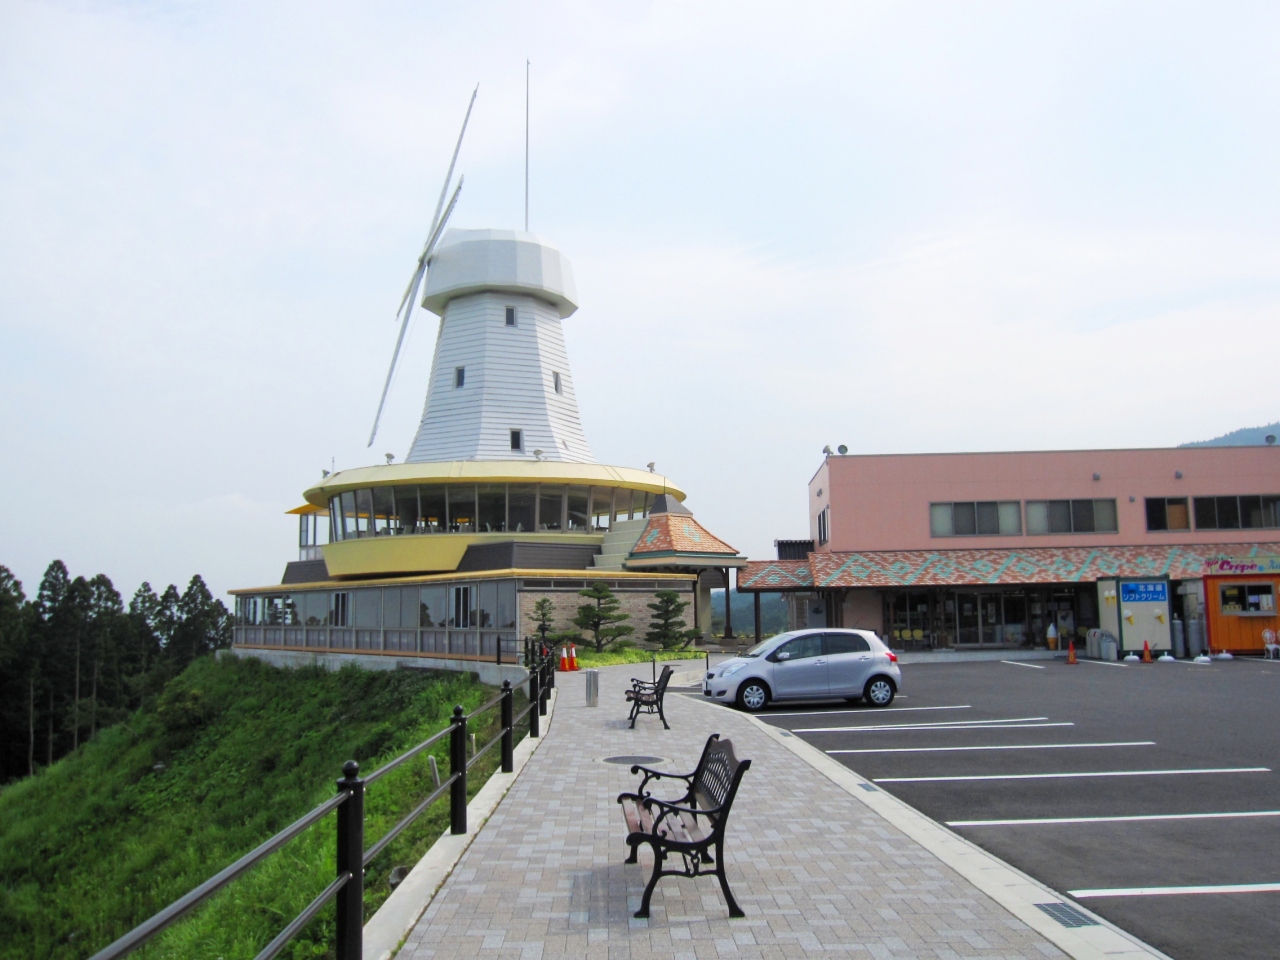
(1147, 793)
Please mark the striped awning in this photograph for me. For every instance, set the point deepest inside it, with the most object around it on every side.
(940, 568)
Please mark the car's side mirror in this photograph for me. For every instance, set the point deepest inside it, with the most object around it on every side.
(782, 655)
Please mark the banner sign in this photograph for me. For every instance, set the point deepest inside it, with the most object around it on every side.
(1154, 591)
(1221, 565)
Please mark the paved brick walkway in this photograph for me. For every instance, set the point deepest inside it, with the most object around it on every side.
(817, 873)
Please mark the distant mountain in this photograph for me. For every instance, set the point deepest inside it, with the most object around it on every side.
(1244, 437)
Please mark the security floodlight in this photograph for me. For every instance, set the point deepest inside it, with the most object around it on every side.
(324, 474)
(1270, 439)
(827, 450)
(537, 454)
(650, 464)
(390, 457)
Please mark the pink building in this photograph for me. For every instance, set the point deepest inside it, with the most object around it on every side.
(996, 548)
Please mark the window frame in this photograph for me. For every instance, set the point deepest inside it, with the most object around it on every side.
(1059, 508)
(946, 521)
(509, 318)
(517, 440)
(459, 377)
(1245, 586)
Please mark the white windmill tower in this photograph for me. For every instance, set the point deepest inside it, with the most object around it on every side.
(500, 385)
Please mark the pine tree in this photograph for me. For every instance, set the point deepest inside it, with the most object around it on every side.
(543, 611)
(602, 618)
(665, 627)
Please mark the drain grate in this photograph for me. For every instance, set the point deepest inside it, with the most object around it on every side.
(1067, 915)
(628, 760)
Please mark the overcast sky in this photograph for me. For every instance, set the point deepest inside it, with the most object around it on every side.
(897, 226)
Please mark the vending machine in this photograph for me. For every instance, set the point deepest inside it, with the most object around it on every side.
(1136, 611)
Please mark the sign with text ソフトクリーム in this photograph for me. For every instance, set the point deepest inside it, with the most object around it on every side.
(1238, 565)
(1149, 591)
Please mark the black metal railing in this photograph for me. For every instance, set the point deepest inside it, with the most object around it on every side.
(347, 888)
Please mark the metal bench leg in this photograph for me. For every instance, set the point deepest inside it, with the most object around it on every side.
(635, 712)
(634, 856)
(663, 716)
(659, 855)
(735, 911)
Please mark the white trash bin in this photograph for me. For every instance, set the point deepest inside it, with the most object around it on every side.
(1110, 649)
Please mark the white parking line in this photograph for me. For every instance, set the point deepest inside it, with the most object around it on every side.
(918, 726)
(1021, 746)
(864, 711)
(1103, 663)
(1176, 891)
(1059, 776)
(1019, 663)
(1138, 819)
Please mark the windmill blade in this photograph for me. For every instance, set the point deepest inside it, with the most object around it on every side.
(411, 295)
(435, 220)
(444, 192)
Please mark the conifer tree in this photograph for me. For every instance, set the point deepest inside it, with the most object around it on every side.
(602, 618)
(665, 626)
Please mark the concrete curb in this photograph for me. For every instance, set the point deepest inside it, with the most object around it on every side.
(1006, 885)
(395, 919)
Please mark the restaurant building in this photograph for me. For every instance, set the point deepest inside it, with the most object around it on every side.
(1006, 549)
(499, 503)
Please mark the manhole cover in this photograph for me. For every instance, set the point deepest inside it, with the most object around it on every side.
(647, 761)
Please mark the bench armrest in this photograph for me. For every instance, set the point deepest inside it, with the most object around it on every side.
(667, 807)
(651, 774)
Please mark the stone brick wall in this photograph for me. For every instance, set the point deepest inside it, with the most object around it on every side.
(565, 603)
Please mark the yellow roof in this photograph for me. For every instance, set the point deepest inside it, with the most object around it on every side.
(490, 471)
(307, 508)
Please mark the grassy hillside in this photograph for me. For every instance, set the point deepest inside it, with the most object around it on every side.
(230, 753)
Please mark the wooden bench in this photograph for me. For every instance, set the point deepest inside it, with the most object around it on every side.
(647, 696)
(691, 826)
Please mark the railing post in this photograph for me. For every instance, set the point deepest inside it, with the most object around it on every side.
(535, 699)
(508, 735)
(350, 899)
(498, 648)
(551, 671)
(458, 769)
(544, 689)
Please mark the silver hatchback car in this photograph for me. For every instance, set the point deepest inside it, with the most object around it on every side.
(808, 665)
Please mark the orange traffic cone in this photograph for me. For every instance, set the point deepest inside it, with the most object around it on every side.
(1071, 652)
(573, 656)
(564, 659)
(1146, 652)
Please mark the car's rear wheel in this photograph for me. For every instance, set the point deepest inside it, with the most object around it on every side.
(879, 691)
(753, 696)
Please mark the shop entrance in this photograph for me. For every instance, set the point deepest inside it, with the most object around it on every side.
(995, 617)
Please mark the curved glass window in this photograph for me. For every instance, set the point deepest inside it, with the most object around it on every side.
(550, 508)
(492, 512)
(578, 501)
(601, 508)
(522, 508)
(434, 517)
(481, 508)
(462, 508)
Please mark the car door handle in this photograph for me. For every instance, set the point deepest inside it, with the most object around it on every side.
(820, 660)
(865, 656)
